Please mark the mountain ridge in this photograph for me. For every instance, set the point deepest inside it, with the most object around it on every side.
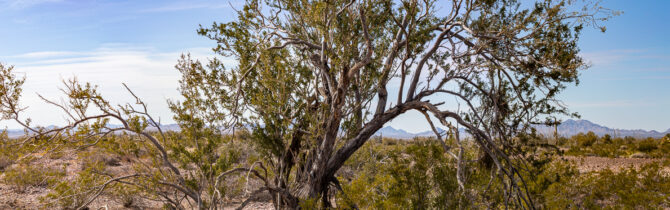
(572, 127)
(567, 128)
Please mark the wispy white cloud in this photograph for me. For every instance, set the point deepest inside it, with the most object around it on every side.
(637, 78)
(180, 6)
(149, 73)
(616, 57)
(20, 4)
(610, 57)
(611, 104)
(44, 54)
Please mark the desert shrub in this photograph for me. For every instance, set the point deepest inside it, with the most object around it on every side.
(5, 162)
(647, 145)
(644, 188)
(127, 196)
(585, 140)
(391, 141)
(607, 146)
(605, 139)
(550, 176)
(664, 147)
(8, 150)
(201, 161)
(121, 145)
(542, 169)
(416, 176)
(562, 141)
(93, 157)
(24, 176)
(72, 194)
(420, 176)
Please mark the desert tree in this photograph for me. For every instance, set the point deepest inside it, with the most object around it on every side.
(314, 80)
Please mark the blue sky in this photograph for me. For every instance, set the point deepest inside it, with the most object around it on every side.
(138, 42)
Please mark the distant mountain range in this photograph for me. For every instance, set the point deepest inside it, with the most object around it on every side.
(12, 133)
(573, 127)
(567, 128)
(389, 131)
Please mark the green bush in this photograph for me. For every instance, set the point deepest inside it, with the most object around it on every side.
(647, 145)
(5, 162)
(71, 194)
(416, 176)
(585, 140)
(585, 145)
(646, 188)
(24, 176)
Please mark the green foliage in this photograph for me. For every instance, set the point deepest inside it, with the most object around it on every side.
(311, 77)
(310, 203)
(606, 146)
(647, 145)
(644, 188)
(5, 162)
(548, 176)
(416, 175)
(202, 160)
(10, 92)
(127, 196)
(585, 140)
(23, 176)
(402, 175)
(72, 194)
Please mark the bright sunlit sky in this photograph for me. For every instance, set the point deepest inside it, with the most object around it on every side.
(107, 42)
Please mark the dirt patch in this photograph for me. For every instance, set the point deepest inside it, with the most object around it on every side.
(588, 164)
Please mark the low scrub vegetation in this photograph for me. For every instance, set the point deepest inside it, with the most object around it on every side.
(387, 173)
(644, 188)
(418, 175)
(590, 144)
(24, 176)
